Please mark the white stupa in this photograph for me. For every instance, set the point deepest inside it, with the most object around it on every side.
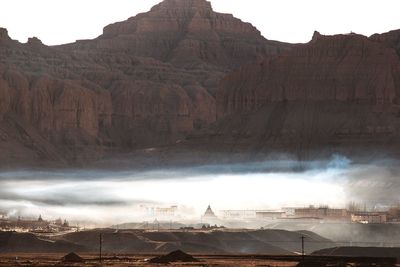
(209, 216)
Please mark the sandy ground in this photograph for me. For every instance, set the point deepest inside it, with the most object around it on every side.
(41, 260)
(8, 260)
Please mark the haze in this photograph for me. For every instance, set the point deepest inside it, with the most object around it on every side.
(62, 21)
(111, 197)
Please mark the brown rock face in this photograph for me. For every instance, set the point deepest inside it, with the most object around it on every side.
(348, 68)
(4, 38)
(4, 34)
(151, 81)
(391, 39)
(342, 88)
(187, 33)
(75, 104)
(145, 82)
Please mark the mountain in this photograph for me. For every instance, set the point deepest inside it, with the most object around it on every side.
(336, 93)
(145, 82)
(391, 39)
(187, 33)
(183, 83)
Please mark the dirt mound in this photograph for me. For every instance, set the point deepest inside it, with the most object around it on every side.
(175, 256)
(72, 257)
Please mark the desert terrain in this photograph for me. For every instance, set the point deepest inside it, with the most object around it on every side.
(201, 248)
(8, 260)
(29, 259)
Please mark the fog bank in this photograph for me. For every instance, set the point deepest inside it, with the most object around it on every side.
(109, 197)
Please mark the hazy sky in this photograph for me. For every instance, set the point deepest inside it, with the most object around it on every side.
(62, 21)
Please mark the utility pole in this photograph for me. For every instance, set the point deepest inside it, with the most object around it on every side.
(302, 246)
(100, 247)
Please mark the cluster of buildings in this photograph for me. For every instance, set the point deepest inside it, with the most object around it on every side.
(209, 218)
(288, 214)
(161, 212)
(330, 214)
(311, 213)
(33, 225)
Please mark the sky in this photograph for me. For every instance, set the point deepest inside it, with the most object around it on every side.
(64, 21)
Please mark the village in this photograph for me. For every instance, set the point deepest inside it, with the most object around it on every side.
(352, 214)
(39, 225)
(317, 214)
(311, 213)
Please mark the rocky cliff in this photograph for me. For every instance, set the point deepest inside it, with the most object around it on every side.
(186, 33)
(183, 78)
(391, 39)
(145, 82)
(348, 68)
(341, 89)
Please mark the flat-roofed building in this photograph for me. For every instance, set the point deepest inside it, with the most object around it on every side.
(237, 214)
(250, 214)
(269, 214)
(321, 213)
(162, 212)
(369, 217)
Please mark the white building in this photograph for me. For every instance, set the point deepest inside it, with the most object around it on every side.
(237, 214)
(209, 216)
(250, 214)
(369, 217)
(162, 212)
(269, 215)
(289, 211)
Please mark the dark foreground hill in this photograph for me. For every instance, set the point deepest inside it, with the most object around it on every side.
(270, 242)
(360, 252)
(348, 234)
(29, 243)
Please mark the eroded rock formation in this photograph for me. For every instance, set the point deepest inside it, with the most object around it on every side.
(145, 82)
(334, 90)
(348, 68)
(187, 33)
(154, 81)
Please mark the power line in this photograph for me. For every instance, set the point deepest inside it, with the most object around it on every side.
(100, 247)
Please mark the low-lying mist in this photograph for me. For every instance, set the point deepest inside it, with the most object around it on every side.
(110, 197)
